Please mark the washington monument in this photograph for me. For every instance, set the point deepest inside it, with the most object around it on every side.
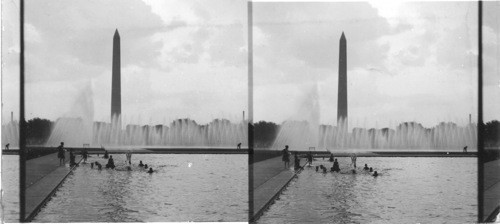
(116, 99)
(342, 95)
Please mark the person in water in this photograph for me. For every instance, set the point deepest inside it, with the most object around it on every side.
(286, 156)
(336, 167)
(111, 163)
(60, 154)
(71, 158)
(150, 170)
(331, 158)
(129, 157)
(366, 167)
(317, 168)
(296, 161)
(140, 163)
(353, 159)
(375, 174)
(106, 155)
(310, 158)
(371, 169)
(145, 166)
(85, 155)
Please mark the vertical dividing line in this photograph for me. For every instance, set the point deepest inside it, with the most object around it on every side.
(250, 113)
(480, 142)
(22, 122)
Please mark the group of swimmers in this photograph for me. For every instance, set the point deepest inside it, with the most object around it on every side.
(111, 163)
(336, 167)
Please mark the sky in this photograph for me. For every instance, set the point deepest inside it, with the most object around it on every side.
(409, 61)
(179, 59)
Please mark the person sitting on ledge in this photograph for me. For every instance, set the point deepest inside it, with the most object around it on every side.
(7, 146)
(366, 167)
(111, 163)
(371, 169)
(336, 167)
(140, 163)
(145, 166)
(239, 146)
(150, 170)
(375, 174)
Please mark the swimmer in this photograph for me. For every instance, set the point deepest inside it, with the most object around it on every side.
(371, 169)
(366, 167)
(353, 171)
(331, 158)
(140, 163)
(91, 165)
(150, 170)
(375, 174)
(317, 168)
(336, 167)
(128, 168)
(145, 166)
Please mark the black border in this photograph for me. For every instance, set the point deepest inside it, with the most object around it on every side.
(22, 122)
(480, 125)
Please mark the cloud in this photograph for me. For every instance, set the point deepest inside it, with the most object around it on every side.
(416, 61)
(178, 58)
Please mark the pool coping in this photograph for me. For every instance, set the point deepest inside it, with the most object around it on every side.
(270, 201)
(37, 209)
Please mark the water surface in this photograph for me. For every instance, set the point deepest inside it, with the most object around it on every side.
(408, 190)
(183, 188)
(10, 188)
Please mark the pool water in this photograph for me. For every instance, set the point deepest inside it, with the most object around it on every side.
(10, 188)
(408, 190)
(182, 188)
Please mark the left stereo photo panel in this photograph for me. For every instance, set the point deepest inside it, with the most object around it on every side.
(135, 111)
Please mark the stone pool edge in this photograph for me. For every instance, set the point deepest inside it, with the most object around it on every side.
(260, 211)
(31, 214)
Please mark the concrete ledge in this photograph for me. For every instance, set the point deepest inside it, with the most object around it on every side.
(267, 193)
(38, 194)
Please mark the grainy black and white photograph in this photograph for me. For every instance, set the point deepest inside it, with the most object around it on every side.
(250, 111)
(135, 111)
(365, 112)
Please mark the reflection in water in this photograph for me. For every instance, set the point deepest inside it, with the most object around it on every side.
(408, 190)
(213, 188)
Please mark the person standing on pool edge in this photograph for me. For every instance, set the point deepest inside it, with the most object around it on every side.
(286, 157)
(60, 154)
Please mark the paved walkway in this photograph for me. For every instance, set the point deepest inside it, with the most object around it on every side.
(491, 187)
(269, 178)
(43, 177)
